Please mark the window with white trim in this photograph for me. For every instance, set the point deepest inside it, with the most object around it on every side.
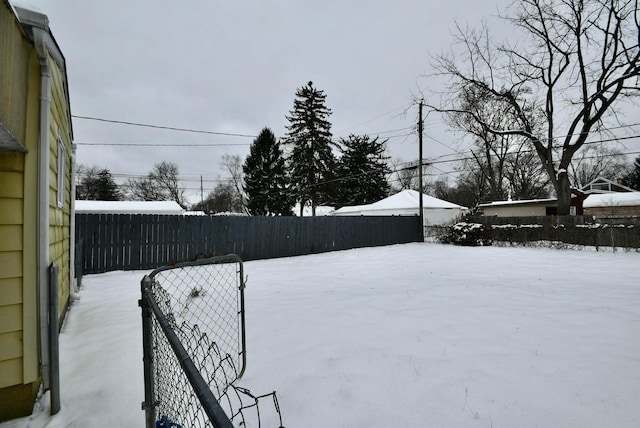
(62, 170)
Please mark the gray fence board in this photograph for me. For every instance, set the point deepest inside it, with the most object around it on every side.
(622, 232)
(127, 242)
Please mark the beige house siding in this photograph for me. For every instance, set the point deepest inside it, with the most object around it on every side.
(613, 211)
(516, 211)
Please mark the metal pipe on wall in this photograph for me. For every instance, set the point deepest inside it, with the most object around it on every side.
(54, 348)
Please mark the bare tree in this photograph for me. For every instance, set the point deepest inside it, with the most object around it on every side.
(233, 165)
(526, 176)
(161, 184)
(405, 175)
(489, 151)
(223, 199)
(503, 162)
(597, 160)
(578, 59)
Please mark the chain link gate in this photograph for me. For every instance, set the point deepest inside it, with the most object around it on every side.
(194, 346)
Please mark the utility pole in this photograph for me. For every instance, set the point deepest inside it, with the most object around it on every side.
(420, 169)
(201, 194)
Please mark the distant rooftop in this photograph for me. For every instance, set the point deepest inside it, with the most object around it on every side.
(128, 207)
(522, 202)
(604, 185)
(616, 199)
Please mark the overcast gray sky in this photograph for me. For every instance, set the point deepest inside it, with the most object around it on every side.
(234, 67)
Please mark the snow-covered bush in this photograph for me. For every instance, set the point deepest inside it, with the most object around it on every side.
(468, 234)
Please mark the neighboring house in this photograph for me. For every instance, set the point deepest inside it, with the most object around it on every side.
(529, 208)
(128, 207)
(603, 185)
(544, 207)
(613, 204)
(36, 184)
(407, 202)
(524, 208)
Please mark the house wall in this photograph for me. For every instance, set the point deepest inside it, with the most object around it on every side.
(15, 50)
(19, 361)
(516, 211)
(613, 211)
(60, 218)
(20, 193)
(11, 264)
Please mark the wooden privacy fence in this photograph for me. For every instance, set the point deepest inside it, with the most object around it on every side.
(620, 232)
(127, 242)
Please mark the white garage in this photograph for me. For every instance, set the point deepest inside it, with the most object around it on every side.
(407, 202)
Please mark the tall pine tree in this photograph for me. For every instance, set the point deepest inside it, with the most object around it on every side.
(363, 171)
(265, 177)
(311, 160)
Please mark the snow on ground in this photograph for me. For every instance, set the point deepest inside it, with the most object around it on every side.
(415, 335)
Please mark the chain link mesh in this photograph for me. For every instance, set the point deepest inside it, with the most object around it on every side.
(204, 305)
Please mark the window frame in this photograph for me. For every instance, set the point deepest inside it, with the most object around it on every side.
(62, 170)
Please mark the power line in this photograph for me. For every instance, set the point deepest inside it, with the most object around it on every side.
(399, 167)
(374, 118)
(228, 134)
(163, 144)
(533, 150)
(231, 134)
(200, 144)
(170, 128)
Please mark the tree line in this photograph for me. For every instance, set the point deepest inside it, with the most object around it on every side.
(306, 167)
(531, 111)
(470, 188)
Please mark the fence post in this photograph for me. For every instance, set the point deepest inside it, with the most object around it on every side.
(147, 356)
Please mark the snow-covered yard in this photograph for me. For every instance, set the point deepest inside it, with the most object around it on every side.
(415, 335)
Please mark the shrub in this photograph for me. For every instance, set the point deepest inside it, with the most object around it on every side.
(468, 234)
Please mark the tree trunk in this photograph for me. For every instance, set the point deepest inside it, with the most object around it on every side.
(563, 190)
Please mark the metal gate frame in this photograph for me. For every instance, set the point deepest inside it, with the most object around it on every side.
(152, 313)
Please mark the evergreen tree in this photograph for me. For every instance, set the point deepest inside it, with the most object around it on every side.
(633, 178)
(311, 160)
(265, 177)
(362, 171)
(98, 186)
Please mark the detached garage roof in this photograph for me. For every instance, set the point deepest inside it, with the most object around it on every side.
(411, 199)
(549, 201)
(128, 207)
(616, 199)
(407, 199)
